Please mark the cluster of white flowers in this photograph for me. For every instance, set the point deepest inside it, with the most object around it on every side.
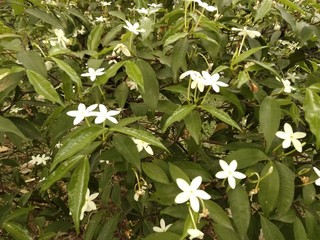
(200, 80)
(153, 8)
(35, 160)
(101, 116)
(60, 39)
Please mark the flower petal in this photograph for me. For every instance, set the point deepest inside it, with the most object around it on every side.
(281, 134)
(317, 171)
(288, 129)
(233, 165)
(222, 175)
(297, 145)
(202, 194)
(224, 165)
(195, 183)
(232, 182)
(239, 175)
(182, 184)
(182, 197)
(194, 203)
(286, 143)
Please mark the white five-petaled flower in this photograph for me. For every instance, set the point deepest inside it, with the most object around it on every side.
(89, 205)
(60, 39)
(197, 79)
(163, 227)
(191, 193)
(206, 6)
(93, 73)
(81, 113)
(142, 145)
(246, 32)
(290, 137)
(195, 233)
(318, 173)
(39, 159)
(134, 28)
(213, 81)
(104, 114)
(229, 171)
(287, 86)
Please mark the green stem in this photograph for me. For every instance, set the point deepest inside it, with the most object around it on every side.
(192, 218)
(205, 96)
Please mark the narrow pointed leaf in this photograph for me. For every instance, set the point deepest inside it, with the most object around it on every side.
(77, 189)
(155, 172)
(16, 231)
(134, 73)
(32, 60)
(245, 55)
(263, 9)
(193, 124)
(270, 231)
(19, 212)
(43, 86)
(178, 115)
(68, 70)
(178, 57)
(94, 37)
(221, 115)
(299, 230)
(218, 215)
(109, 73)
(7, 126)
(75, 142)
(177, 172)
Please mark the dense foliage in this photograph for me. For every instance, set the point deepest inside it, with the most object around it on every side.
(159, 120)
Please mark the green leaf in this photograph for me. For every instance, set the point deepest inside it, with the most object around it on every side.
(109, 227)
(155, 172)
(134, 73)
(75, 142)
(292, 5)
(312, 224)
(94, 225)
(162, 236)
(175, 38)
(77, 190)
(43, 87)
(269, 189)
(128, 150)
(246, 54)
(61, 171)
(94, 37)
(140, 134)
(193, 124)
(109, 73)
(224, 233)
(68, 70)
(286, 189)
(7, 126)
(240, 208)
(44, 16)
(247, 157)
(270, 231)
(263, 8)
(221, 115)
(151, 85)
(218, 215)
(178, 57)
(121, 94)
(177, 172)
(16, 231)
(31, 60)
(26, 127)
(18, 7)
(269, 122)
(178, 115)
(299, 230)
(312, 113)
(19, 212)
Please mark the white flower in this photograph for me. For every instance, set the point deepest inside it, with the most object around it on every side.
(191, 193)
(213, 81)
(142, 145)
(229, 171)
(195, 233)
(15, 109)
(246, 32)
(197, 79)
(140, 192)
(287, 86)
(318, 173)
(93, 73)
(89, 205)
(206, 6)
(81, 113)
(39, 159)
(154, 5)
(134, 28)
(49, 65)
(58, 145)
(100, 19)
(163, 227)
(121, 48)
(60, 39)
(105, 114)
(105, 3)
(290, 137)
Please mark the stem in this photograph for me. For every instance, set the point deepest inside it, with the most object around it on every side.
(241, 45)
(87, 121)
(188, 93)
(205, 96)
(192, 218)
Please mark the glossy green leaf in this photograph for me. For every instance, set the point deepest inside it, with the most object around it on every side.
(75, 142)
(109, 73)
(155, 172)
(7, 126)
(27, 128)
(134, 73)
(299, 230)
(94, 225)
(245, 55)
(269, 189)
(247, 157)
(43, 86)
(309, 194)
(128, 150)
(177, 172)
(179, 114)
(225, 233)
(269, 122)
(312, 113)
(68, 70)
(286, 189)
(32, 60)
(218, 215)
(270, 231)
(221, 115)
(262, 10)
(61, 171)
(44, 16)
(178, 57)
(121, 94)
(312, 224)
(162, 236)
(175, 38)
(77, 190)
(94, 37)
(17, 231)
(140, 134)
(177, 211)
(193, 124)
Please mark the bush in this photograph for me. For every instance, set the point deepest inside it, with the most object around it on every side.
(168, 120)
